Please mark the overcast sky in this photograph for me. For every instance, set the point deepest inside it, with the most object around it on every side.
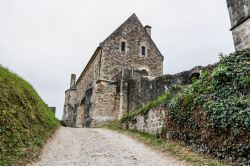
(44, 41)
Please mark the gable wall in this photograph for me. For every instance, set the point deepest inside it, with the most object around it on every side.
(135, 35)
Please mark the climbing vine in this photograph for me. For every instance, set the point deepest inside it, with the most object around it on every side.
(224, 94)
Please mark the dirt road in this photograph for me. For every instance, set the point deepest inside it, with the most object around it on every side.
(99, 147)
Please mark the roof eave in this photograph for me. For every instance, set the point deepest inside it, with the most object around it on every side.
(89, 63)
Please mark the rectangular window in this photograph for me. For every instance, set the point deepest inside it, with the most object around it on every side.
(143, 50)
(123, 46)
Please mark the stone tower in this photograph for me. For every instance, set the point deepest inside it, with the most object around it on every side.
(239, 11)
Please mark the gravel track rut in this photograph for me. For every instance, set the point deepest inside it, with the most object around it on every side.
(99, 147)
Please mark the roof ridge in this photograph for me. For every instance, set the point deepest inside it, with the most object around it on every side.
(124, 23)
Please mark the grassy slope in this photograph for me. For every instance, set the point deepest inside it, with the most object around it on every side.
(25, 120)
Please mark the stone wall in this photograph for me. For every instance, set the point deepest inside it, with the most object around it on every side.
(105, 103)
(144, 89)
(152, 122)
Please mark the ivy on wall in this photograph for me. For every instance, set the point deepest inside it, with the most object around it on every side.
(213, 113)
(224, 93)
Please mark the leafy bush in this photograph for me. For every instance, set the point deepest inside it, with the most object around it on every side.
(25, 120)
(230, 103)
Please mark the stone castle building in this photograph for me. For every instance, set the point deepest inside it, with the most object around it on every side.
(239, 11)
(100, 95)
(126, 71)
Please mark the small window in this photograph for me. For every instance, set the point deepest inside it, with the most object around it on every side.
(143, 50)
(123, 46)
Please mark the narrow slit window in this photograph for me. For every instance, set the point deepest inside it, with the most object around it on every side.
(143, 50)
(123, 46)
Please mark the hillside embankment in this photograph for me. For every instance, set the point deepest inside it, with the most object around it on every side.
(211, 115)
(26, 122)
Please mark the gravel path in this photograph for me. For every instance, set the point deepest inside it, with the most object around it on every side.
(99, 147)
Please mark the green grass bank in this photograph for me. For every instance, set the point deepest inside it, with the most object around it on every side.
(26, 122)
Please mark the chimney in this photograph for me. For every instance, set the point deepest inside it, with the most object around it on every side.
(72, 80)
(148, 29)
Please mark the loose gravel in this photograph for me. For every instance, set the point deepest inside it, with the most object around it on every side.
(99, 147)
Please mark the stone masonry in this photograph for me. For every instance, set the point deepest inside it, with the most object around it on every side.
(100, 93)
(239, 11)
(152, 123)
(145, 89)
